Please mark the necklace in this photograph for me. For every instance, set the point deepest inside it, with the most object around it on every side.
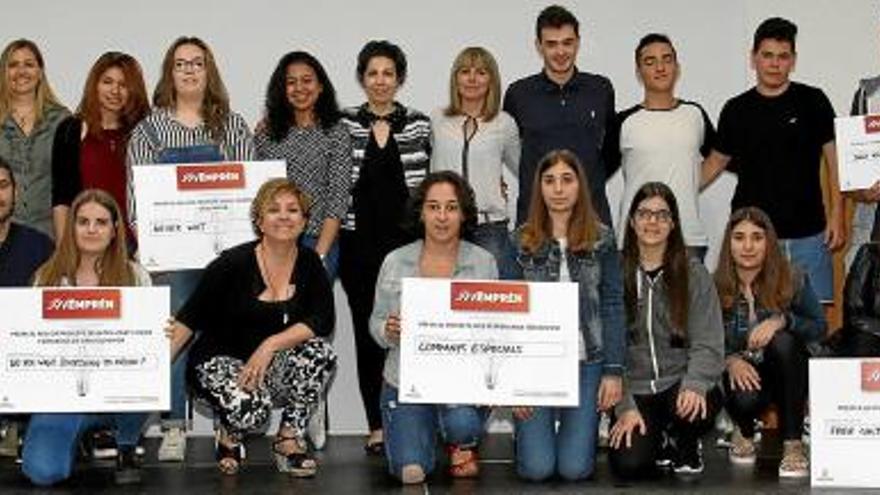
(279, 291)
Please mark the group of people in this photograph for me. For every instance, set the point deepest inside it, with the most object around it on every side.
(381, 191)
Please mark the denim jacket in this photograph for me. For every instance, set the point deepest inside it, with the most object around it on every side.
(474, 263)
(600, 292)
(803, 317)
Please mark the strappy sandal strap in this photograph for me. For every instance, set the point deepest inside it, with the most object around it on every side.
(463, 462)
(300, 464)
(229, 457)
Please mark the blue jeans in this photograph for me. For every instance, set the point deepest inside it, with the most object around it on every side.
(411, 430)
(811, 256)
(542, 451)
(52, 441)
(182, 284)
(331, 260)
(494, 237)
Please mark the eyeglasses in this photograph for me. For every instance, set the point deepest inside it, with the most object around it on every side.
(645, 214)
(194, 65)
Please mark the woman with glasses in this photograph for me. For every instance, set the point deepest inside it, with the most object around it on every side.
(675, 345)
(191, 122)
(89, 148)
(29, 115)
(474, 137)
(770, 314)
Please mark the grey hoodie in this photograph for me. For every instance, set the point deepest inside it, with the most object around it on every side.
(653, 362)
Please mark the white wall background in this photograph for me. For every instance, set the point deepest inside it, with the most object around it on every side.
(837, 45)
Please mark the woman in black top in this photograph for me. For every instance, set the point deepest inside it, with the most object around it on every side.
(262, 308)
(390, 150)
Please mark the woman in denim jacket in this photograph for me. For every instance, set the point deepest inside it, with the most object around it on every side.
(443, 210)
(675, 344)
(563, 240)
(770, 313)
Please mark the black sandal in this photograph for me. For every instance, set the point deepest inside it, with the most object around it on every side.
(375, 448)
(299, 464)
(229, 458)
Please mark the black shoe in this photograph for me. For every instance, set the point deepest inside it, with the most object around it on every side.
(689, 459)
(128, 466)
(103, 445)
(666, 455)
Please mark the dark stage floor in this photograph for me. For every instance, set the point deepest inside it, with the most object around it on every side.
(346, 470)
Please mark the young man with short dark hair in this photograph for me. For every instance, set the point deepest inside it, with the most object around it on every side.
(561, 108)
(663, 139)
(774, 137)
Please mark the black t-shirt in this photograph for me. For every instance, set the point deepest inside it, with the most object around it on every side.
(776, 147)
(21, 254)
(230, 318)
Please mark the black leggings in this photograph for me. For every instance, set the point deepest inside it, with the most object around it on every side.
(658, 412)
(359, 282)
(783, 372)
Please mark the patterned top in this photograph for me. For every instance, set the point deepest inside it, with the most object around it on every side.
(318, 161)
(410, 129)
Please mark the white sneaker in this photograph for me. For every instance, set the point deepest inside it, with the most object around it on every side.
(317, 427)
(173, 446)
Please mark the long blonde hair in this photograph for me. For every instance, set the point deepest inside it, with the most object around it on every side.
(113, 267)
(44, 98)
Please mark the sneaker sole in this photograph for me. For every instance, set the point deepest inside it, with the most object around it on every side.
(743, 461)
(794, 474)
(688, 470)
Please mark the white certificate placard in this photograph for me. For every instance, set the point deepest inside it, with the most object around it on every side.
(84, 349)
(858, 151)
(489, 342)
(187, 214)
(845, 422)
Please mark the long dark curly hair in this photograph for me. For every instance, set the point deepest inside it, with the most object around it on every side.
(279, 111)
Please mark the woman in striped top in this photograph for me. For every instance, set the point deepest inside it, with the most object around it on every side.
(191, 122)
(391, 150)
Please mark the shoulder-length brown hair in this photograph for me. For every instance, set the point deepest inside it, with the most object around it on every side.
(583, 225)
(215, 104)
(113, 267)
(773, 287)
(137, 106)
(675, 260)
(44, 98)
(479, 57)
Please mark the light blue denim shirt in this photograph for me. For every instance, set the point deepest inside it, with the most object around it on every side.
(600, 293)
(473, 262)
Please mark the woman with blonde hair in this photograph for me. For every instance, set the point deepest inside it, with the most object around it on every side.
(475, 138)
(91, 253)
(263, 309)
(29, 115)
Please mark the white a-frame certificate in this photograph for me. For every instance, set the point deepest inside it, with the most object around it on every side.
(489, 342)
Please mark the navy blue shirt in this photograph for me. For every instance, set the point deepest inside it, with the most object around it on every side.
(23, 251)
(573, 116)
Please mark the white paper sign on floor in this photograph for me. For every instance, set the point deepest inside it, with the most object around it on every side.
(845, 422)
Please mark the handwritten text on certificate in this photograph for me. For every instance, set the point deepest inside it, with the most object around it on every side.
(489, 342)
(858, 151)
(188, 214)
(97, 349)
